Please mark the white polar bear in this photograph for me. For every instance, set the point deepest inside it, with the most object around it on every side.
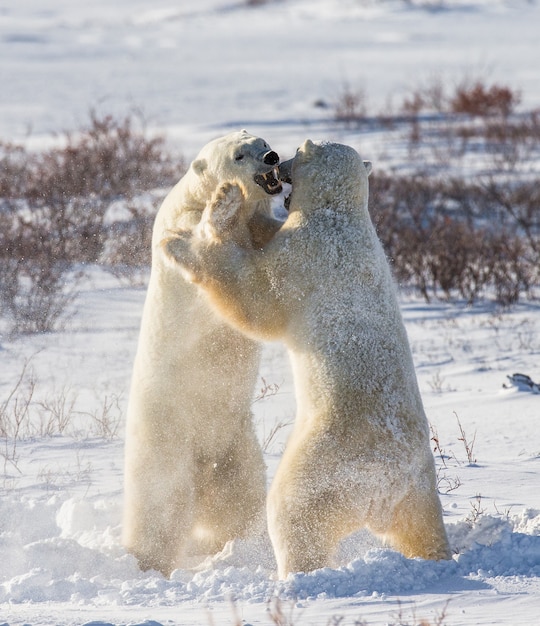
(194, 471)
(359, 454)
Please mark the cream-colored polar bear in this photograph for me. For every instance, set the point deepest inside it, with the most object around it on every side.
(194, 471)
(359, 454)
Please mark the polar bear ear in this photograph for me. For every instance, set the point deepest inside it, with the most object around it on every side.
(368, 165)
(309, 148)
(199, 166)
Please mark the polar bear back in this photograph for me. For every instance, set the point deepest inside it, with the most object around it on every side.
(344, 329)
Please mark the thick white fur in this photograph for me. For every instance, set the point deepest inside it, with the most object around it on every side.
(359, 454)
(194, 472)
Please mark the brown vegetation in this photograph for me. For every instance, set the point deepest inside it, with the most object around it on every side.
(53, 208)
(448, 234)
(453, 234)
(458, 238)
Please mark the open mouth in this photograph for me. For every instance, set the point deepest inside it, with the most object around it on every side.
(269, 182)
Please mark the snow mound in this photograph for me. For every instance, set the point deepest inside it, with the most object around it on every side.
(68, 550)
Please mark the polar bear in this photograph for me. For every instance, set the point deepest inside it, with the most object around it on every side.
(194, 471)
(359, 454)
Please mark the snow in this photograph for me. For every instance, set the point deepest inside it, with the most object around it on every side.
(196, 70)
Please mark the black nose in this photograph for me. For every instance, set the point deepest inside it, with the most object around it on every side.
(271, 158)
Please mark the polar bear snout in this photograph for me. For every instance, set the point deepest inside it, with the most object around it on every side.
(285, 171)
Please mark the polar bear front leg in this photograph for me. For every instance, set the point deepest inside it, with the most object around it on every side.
(228, 217)
(178, 250)
(222, 220)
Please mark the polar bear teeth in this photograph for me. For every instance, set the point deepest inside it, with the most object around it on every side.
(269, 181)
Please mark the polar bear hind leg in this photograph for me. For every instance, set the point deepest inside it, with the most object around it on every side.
(151, 531)
(305, 535)
(230, 504)
(310, 509)
(417, 528)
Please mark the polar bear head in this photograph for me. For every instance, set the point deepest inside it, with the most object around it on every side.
(237, 156)
(326, 174)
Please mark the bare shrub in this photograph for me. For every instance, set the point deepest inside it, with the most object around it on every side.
(15, 417)
(56, 412)
(34, 290)
(402, 620)
(128, 251)
(25, 414)
(35, 297)
(477, 99)
(518, 202)
(510, 272)
(281, 613)
(404, 213)
(266, 390)
(68, 190)
(350, 106)
(472, 97)
(449, 238)
(476, 512)
(13, 169)
(519, 135)
(53, 208)
(430, 97)
(106, 420)
(468, 444)
(475, 114)
(110, 158)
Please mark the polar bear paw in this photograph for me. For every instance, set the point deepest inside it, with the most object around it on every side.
(223, 215)
(179, 253)
(228, 199)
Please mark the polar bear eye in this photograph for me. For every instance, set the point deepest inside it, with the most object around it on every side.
(238, 157)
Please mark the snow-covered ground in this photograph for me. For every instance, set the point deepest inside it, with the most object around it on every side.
(198, 69)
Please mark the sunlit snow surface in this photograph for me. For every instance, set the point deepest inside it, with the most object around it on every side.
(198, 69)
